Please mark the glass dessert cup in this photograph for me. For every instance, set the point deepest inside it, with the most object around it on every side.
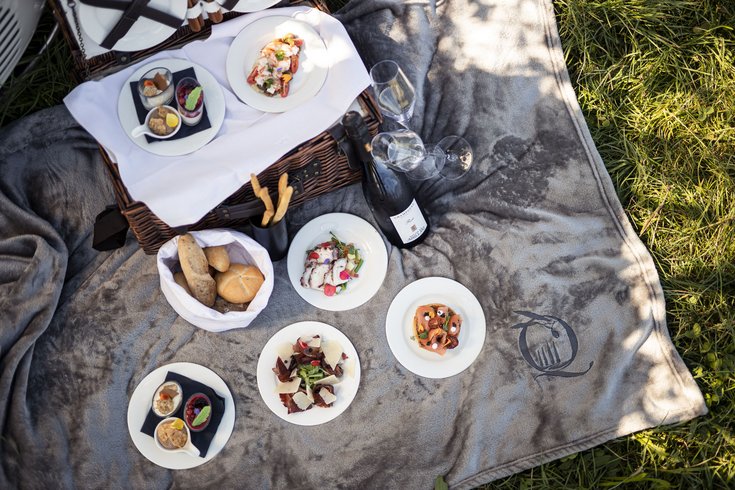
(172, 436)
(156, 87)
(195, 405)
(167, 399)
(190, 100)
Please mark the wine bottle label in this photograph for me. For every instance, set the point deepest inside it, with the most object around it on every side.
(409, 224)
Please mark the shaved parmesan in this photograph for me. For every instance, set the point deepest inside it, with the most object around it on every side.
(309, 393)
(301, 400)
(315, 342)
(349, 367)
(332, 352)
(284, 352)
(327, 396)
(329, 380)
(289, 386)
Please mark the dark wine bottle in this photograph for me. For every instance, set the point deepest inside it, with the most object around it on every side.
(388, 194)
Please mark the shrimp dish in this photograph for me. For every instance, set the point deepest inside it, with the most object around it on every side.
(436, 328)
(276, 66)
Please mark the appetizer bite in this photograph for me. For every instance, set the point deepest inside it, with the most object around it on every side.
(436, 328)
(276, 65)
(167, 399)
(171, 434)
(163, 121)
(330, 266)
(198, 412)
(155, 88)
(190, 100)
(307, 372)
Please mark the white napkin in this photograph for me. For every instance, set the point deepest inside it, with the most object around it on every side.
(180, 190)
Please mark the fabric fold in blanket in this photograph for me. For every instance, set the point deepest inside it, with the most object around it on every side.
(576, 353)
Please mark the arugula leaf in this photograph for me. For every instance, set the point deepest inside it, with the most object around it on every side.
(423, 335)
(311, 374)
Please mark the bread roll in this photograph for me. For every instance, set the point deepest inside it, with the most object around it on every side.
(240, 283)
(218, 258)
(180, 279)
(196, 270)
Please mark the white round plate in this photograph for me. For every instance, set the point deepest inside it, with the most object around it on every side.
(97, 22)
(245, 48)
(349, 229)
(214, 100)
(399, 327)
(253, 5)
(140, 404)
(345, 390)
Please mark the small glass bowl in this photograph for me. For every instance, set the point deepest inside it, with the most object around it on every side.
(160, 97)
(189, 411)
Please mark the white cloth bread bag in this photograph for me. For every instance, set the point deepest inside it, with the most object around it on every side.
(243, 250)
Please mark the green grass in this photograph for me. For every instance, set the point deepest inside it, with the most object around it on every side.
(656, 82)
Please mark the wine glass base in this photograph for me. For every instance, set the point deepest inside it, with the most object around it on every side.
(459, 157)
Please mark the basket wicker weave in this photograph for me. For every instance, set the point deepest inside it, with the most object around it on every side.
(315, 167)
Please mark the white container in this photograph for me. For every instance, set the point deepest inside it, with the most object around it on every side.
(243, 250)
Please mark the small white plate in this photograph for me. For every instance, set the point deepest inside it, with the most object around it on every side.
(349, 229)
(245, 49)
(214, 101)
(345, 390)
(399, 327)
(253, 5)
(140, 404)
(97, 22)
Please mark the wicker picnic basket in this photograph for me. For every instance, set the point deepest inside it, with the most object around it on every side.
(315, 167)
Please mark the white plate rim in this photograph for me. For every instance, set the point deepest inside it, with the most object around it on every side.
(253, 5)
(97, 33)
(369, 240)
(214, 99)
(430, 290)
(140, 403)
(237, 66)
(345, 390)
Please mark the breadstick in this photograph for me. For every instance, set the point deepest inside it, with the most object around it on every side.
(283, 204)
(282, 184)
(269, 211)
(266, 217)
(256, 184)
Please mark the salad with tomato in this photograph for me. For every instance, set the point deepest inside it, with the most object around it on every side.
(330, 266)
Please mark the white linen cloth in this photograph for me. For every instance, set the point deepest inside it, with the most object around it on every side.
(180, 190)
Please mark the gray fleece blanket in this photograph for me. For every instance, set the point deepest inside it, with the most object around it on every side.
(576, 353)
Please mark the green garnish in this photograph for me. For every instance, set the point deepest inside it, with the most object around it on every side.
(203, 415)
(359, 264)
(446, 324)
(193, 98)
(311, 374)
(340, 244)
(280, 55)
(423, 335)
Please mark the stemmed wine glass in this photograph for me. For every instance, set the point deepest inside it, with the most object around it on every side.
(394, 92)
(402, 149)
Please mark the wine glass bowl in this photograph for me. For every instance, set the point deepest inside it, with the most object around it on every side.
(394, 93)
(403, 150)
